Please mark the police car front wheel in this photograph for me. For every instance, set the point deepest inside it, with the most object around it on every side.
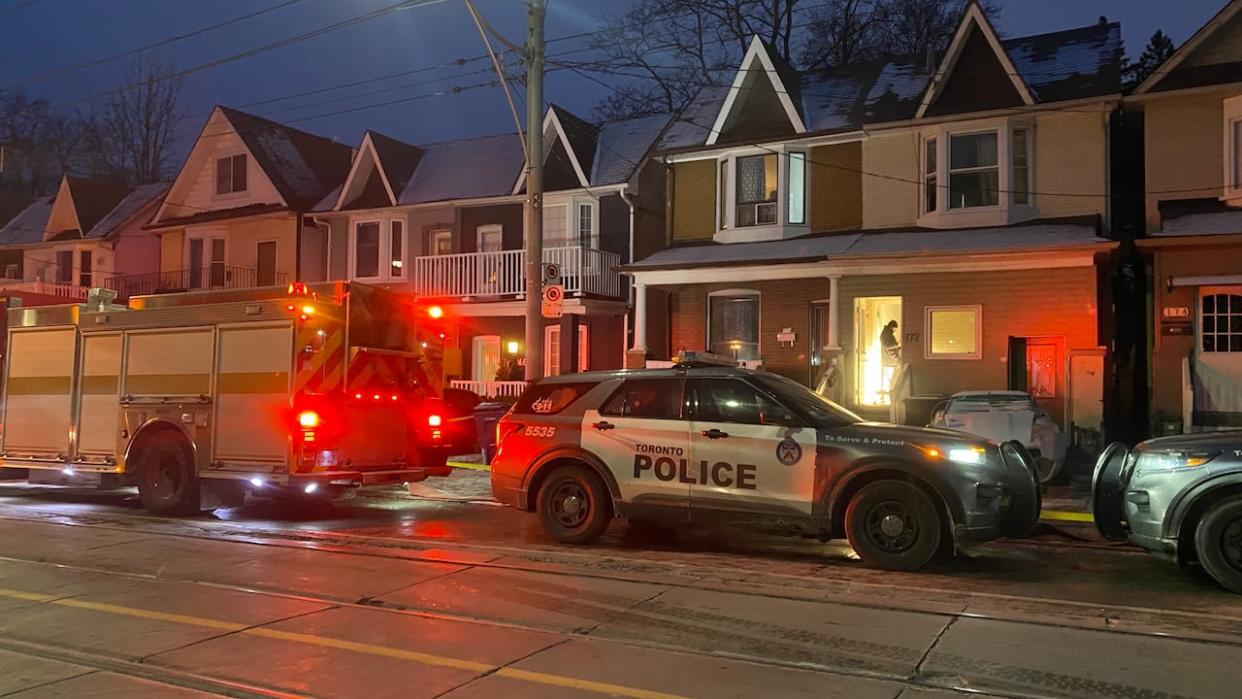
(573, 505)
(893, 524)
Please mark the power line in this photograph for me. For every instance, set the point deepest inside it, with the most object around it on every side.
(164, 42)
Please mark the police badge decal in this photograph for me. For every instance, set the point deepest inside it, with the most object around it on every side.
(788, 451)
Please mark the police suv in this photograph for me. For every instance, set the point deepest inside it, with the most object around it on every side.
(700, 443)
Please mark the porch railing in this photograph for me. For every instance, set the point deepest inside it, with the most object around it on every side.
(197, 279)
(64, 290)
(583, 271)
(491, 389)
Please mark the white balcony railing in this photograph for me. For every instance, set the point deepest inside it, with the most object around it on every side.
(583, 271)
(63, 290)
(491, 389)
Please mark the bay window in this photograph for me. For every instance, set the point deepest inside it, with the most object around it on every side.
(930, 192)
(1232, 157)
(796, 187)
(733, 324)
(378, 250)
(1020, 187)
(974, 177)
(756, 190)
(569, 223)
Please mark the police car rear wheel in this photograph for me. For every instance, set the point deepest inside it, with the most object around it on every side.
(573, 505)
(1218, 542)
(893, 524)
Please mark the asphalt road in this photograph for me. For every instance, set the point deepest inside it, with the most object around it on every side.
(443, 594)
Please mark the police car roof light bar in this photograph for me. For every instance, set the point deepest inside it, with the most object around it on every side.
(690, 360)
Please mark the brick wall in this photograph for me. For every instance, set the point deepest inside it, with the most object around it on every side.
(694, 197)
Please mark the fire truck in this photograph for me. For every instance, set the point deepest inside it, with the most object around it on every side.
(199, 397)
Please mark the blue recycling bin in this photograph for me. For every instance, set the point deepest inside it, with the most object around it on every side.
(486, 415)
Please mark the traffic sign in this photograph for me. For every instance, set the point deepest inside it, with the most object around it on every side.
(553, 301)
(551, 273)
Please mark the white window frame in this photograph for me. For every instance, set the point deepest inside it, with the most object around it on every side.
(232, 193)
(929, 329)
(584, 348)
(436, 236)
(727, 229)
(1005, 211)
(385, 248)
(488, 228)
(1231, 177)
(573, 229)
(10, 272)
(707, 340)
(950, 172)
(478, 347)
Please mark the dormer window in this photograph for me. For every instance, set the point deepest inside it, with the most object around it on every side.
(977, 175)
(762, 193)
(231, 174)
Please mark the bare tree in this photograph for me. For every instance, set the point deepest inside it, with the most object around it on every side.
(29, 167)
(843, 32)
(131, 140)
(912, 27)
(672, 48)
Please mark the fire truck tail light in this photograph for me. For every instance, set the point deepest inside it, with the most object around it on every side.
(435, 312)
(308, 419)
(434, 420)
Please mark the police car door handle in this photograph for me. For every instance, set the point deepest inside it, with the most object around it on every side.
(714, 433)
(603, 425)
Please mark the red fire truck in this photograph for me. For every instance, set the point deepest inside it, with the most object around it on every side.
(199, 397)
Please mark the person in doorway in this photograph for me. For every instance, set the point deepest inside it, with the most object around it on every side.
(890, 345)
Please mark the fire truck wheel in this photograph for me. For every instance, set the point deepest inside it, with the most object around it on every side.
(573, 505)
(167, 483)
(894, 525)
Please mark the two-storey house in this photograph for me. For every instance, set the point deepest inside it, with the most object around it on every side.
(445, 221)
(914, 225)
(1192, 114)
(235, 215)
(90, 233)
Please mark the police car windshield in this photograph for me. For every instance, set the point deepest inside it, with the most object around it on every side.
(819, 410)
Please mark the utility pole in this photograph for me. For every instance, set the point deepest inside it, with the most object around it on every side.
(536, 10)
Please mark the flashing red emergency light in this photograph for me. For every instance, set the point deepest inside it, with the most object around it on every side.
(435, 312)
(299, 289)
(434, 420)
(308, 419)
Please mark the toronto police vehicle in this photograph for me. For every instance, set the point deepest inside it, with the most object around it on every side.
(1178, 497)
(701, 443)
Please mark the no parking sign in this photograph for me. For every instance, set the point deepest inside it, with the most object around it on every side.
(553, 301)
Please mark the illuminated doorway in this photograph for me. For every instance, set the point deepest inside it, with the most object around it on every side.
(875, 367)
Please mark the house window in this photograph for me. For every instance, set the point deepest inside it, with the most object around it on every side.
(724, 194)
(974, 177)
(733, 324)
(64, 266)
(954, 332)
(756, 190)
(1021, 184)
(796, 187)
(1221, 322)
(84, 269)
(1235, 150)
(490, 237)
(929, 175)
(10, 272)
(555, 227)
(586, 224)
(552, 350)
(367, 250)
(441, 242)
(396, 249)
(231, 174)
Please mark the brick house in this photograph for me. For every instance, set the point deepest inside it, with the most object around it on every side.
(962, 195)
(1192, 114)
(445, 222)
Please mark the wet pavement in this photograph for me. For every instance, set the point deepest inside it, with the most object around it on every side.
(441, 593)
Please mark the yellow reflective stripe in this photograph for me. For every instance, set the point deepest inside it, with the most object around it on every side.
(254, 382)
(99, 385)
(38, 385)
(168, 384)
(327, 353)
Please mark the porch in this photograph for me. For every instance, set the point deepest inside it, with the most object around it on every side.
(204, 279)
(584, 272)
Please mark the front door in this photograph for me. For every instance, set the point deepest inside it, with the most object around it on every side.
(750, 453)
(206, 262)
(266, 263)
(639, 432)
(877, 348)
(1036, 366)
(485, 357)
(1218, 357)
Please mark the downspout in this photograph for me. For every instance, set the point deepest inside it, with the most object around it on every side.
(628, 198)
(319, 223)
(297, 251)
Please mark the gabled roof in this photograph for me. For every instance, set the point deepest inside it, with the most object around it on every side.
(397, 159)
(760, 63)
(93, 199)
(582, 137)
(127, 208)
(973, 23)
(1176, 73)
(95, 203)
(381, 159)
(29, 225)
(302, 167)
(1076, 63)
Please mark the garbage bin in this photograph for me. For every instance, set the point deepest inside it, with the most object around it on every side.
(919, 409)
(486, 415)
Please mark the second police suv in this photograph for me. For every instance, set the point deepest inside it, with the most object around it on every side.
(706, 443)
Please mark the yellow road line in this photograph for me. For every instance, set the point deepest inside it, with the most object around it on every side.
(1065, 516)
(469, 465)
(342, 644)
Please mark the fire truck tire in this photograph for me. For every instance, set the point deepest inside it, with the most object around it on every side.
(893, 525)
(167, 484)
(573, 505)
(1218, 542)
